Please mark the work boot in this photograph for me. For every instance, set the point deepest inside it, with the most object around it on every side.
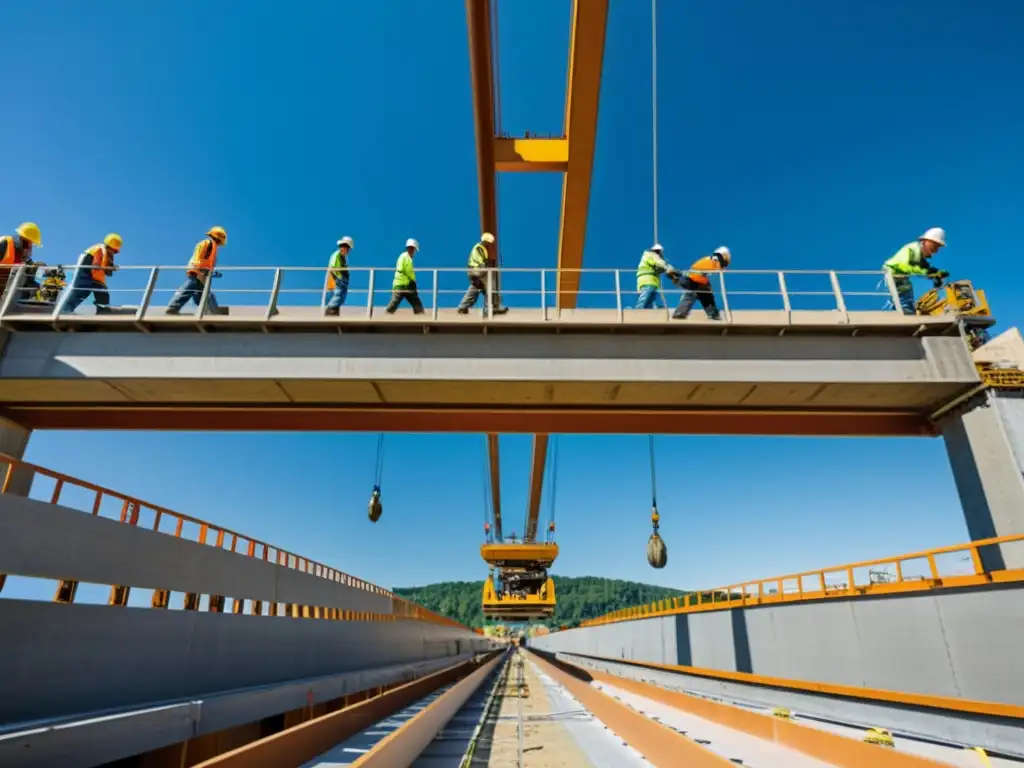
(462, 311)
(499, 311)
(102, 310)
(172, 311)
(332, 311)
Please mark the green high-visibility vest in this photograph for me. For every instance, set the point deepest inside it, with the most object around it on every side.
(908, 260)
(404, 273)
(648, 273)
(478, 257)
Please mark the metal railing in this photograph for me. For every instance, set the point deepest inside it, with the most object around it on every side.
(903, 573)
(268, 290)
(133, 511)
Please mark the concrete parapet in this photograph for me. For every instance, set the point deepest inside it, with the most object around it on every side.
(957, 643)
(61, 660)
(53, 541)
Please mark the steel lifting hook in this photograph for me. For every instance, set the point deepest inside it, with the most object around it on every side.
(375, 508)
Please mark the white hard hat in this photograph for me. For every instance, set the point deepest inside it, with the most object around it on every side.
(657, 247)
(935, 234)
(723, 251)
(486, 237)
(412, 243)
(346, 240)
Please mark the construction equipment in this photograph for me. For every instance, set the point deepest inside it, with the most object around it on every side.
(657, 552)
(54, 281)
(518, 587)
(960, 298)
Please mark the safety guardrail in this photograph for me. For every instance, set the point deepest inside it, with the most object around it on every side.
(268, 290)
(135, 511)
(868, 577)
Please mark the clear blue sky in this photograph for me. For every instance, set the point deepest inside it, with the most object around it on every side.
(803, 134)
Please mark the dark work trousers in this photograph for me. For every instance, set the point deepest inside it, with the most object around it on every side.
(694, 291)
(477, 286)
(81, 287)
(410, 294)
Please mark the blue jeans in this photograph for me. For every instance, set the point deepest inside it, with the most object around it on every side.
(82, 286)
(650, 297)
(337, 296)
(192, 289)
(905, 290)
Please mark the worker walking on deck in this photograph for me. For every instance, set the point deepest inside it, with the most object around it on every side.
(200, 269)
(95, 265)
(648, 277)
(912, 259)
(17, 249)
(479, 277)
(338, 276)
(404, 284)
(697, 284)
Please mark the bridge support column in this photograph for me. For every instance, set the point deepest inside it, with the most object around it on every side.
(13, 441)
(985, 443)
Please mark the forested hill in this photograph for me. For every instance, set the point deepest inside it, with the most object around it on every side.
(583, 597)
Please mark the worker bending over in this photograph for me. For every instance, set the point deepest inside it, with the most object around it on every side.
(404, 284)
(338, 276)
(648, 277)
(697, 284)
(95, 265)
(912, 259)
(17, 249)
(200, 269)
(479, 277)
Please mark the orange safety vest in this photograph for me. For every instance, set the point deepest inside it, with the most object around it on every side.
(204, 257)
(10, 252)
(99, 263)
(700, 268)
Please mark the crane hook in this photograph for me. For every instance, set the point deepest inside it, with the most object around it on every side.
(375, 508)
(657, 552)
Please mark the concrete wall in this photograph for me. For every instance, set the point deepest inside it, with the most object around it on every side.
(67, 659)
(985, 444)
(52, 541)
(962, 643)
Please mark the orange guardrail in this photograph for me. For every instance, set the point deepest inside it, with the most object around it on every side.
(214, 535)
(814, 585)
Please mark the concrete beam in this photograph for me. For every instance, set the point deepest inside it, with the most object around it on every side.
(985, 444)
(13, 442)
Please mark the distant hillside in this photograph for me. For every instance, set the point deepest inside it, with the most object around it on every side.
(584, 597)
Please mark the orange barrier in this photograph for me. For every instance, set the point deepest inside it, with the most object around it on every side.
(794, 588)
(220, 537)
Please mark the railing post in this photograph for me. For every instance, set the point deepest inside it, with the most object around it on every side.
(147, 295)
(433, 298)
(725, 298)
(15, 277)
(618, 296)
(201, 309)
(544, 294)
(65, 295)
(837, 291)
(369, 294)
(786, 305)
(490, 293)
(275, 291)
(894, 295)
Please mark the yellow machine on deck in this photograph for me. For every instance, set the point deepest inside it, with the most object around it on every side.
(519, 588)
(960, 298)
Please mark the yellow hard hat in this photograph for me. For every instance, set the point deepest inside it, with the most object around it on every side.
(219, 234)
(30, 232)
(113, 241)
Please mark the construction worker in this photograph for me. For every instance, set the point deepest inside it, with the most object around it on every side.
(338, 276)
(404, 284)
(648, 277)
(17, 249)
(479, 261)
(95, 265)
(200, 269)
(697, 284)
(912, 259)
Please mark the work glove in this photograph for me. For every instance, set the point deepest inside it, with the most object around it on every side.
(411, 287)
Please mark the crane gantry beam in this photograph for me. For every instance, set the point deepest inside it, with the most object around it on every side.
(540, 455)
(572, 155)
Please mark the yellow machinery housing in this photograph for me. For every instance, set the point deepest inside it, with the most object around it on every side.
(960, 298)
(519, 588)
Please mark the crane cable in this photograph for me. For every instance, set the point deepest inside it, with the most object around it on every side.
(486, 485)
(654, 482)
(654, 112)
(378, 472)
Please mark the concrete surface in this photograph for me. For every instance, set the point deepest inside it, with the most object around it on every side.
(13, 441)
(963, 643)
(51, 541)
(103, 737)
(511, 369)
(985, 443)
(66, 659)
(1004, 735)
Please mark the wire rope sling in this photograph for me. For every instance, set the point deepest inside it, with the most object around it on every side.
(375, 508)
(657, 552)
